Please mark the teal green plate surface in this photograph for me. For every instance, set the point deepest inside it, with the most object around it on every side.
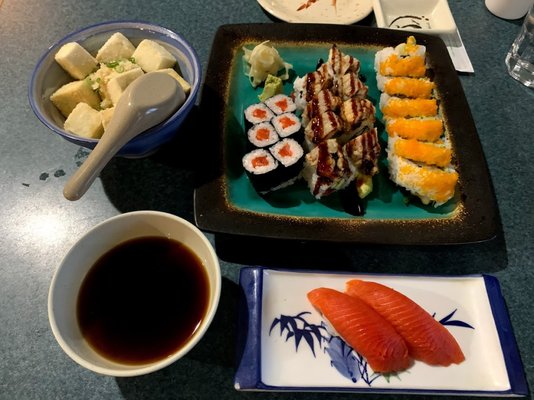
(226, 202)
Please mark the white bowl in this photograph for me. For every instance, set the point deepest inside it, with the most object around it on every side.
(66, 283)
(423, 16)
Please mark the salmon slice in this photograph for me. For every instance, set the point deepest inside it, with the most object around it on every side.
(427, 339)
(363, 329)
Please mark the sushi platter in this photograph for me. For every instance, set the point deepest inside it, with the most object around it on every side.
(285, 344)
(229, 202)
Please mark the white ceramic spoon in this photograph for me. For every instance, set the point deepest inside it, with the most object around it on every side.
(146, 102)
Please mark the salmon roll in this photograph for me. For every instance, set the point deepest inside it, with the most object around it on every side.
(280, 104)
(256, 113)
(288, 124)
(290, 157)
(262, 135)
(430, 184)
(409, 87)
(261, 167)
(425, 129)
(395, 107)
(437, 154)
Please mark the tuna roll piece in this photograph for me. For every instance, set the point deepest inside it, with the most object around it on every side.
(281, 104)
(256, 113)
(262, 135)
(291, 157)
(261, 170)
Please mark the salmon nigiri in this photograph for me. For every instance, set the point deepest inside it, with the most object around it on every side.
(363, 329)
(427, 339)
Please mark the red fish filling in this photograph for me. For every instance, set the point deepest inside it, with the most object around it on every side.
(285, 151)
(262, 134)
(286, 122)
(261, 161)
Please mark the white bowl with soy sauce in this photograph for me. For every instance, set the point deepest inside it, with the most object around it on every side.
(134, 294)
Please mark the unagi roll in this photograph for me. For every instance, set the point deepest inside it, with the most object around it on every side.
(357, 116)
(326, 170)
(322, 127)
(349, 85)
(340, 63)
(321, 102)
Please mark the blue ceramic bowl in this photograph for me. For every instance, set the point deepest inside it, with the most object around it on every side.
(49, 76)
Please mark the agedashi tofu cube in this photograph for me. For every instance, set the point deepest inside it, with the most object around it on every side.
(152, 56)
(72, 93)
(117, 85)
(85, 121)
(106, 114)
(183, 83)
(116, 47)
(74, 59)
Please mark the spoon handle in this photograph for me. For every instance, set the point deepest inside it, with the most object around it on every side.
(106, 148)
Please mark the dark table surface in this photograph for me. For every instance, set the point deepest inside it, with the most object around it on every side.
(38, 226)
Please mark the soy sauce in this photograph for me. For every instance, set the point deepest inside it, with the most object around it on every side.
(143, 300)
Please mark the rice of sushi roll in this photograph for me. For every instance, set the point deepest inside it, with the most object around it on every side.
(256, 113)
(425, 129)
(395, 107)
(430, 184)
(438, 154)
(281, 104)
(261, 167)
(287, 125)
(262, 135)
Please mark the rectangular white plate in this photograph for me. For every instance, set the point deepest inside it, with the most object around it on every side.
(284, 347)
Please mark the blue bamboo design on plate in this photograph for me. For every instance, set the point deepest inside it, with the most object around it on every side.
(348, 362)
